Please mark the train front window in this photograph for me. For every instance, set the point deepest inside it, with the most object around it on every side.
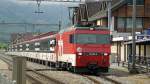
(92, 38)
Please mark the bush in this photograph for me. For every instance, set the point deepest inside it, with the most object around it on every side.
(3, 46)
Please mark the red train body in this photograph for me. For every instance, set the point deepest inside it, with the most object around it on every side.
(84, 49)
(78, 49)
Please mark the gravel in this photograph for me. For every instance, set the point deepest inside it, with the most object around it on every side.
(64, 76)
(120, 74)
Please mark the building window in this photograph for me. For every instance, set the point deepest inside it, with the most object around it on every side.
(138, 2)
(99, 23)
(121, 22)
(139, 23)
(127, 22)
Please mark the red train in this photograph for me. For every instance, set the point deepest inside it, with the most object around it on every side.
(79, 49)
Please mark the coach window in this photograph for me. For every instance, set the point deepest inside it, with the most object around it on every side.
(24, 47)
(31, 47)
(27, 47)
(52, 42)
(37, 46)
(44, 45)
(18, 47)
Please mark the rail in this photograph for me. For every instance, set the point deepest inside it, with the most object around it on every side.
(109, 79)
(3, 77)
(102, 76)
(34, 75)
(45, 77)
(92, 79)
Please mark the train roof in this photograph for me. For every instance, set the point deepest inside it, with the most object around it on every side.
(40, 37)
(48, 35)
(75, 27)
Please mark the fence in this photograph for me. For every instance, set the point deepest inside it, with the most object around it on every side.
(5, 80)
(142, 62)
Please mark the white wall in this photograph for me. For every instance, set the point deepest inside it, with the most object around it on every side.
(114, 48)
(137, 50)
(142, 50)
(122, 52)
(148, 50)
(113, 52)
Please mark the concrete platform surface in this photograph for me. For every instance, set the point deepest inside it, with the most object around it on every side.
(122, 75)
(5, 71)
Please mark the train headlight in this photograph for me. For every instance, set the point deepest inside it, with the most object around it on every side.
(105, 54)
(91, 29)
(80, 53)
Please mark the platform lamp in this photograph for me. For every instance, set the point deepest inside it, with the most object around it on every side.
(133, 69)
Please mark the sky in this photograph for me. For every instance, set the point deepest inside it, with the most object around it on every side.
(17, 11)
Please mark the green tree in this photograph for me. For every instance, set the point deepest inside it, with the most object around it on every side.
(3, 46)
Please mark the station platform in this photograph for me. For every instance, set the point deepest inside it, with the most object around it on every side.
(122, 75)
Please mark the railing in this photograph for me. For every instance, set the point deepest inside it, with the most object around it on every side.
(142, 62)
(5, 80)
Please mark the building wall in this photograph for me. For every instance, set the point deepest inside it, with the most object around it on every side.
(126, 53)
(142, 50)
(118, 52)
(147, 8)
(113, 52)
(148, 50)
(122, 52)
(140, 11)
(137, 50)
(121, 11)
(147, 22)
(126, 12)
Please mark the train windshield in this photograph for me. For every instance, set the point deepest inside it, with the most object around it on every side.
(92, 38)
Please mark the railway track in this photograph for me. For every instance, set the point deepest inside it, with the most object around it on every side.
(40, 78)
(33, 75)
(104, 77)
(92, 79)
(109, 79)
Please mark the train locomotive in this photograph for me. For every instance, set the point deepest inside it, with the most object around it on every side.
(77, 49)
